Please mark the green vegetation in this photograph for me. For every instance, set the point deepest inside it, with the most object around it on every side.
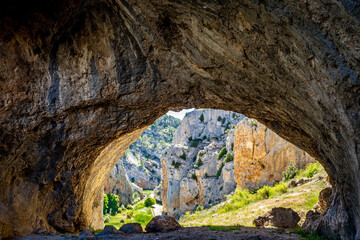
(222, 152)
(193, 176)
(195, 142)
(290, 172)
(199, 208)
(307, 236)
(219, 118)
(111, 204)
(201, 118)
(133, 213)
(176, 165)
(183, 156)
(243, 197)
(229, 157)
(198, 163)
(149, 202)
(220, 170)
(310, 170)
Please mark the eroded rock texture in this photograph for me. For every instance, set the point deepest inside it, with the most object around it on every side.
(80, 81)
(261, 156)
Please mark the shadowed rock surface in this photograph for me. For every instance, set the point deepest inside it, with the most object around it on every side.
(81, 80)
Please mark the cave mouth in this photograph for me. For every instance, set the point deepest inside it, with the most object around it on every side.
(192, 162)
(81, 80)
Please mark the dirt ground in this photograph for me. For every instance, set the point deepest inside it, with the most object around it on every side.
(187, 233)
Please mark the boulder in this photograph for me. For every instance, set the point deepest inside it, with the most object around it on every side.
(131, 228)
(278, 217)
(160, 223)
(87, 232)
(299, 182)
(109, 229)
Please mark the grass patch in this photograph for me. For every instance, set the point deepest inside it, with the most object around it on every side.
(307, 236)
(243, 197)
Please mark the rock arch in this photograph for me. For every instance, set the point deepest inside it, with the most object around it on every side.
(80, 80)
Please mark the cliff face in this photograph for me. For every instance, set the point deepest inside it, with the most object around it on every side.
(81, 80)
(261, 156)
(192, 175)
(142, 159)
(118, 183)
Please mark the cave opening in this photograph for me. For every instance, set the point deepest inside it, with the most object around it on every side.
(197, 162)
(81, 80)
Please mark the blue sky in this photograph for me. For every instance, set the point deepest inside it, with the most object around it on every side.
(180, 115)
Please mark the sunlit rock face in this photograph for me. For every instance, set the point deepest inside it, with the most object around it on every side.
(80, 81)
(192, 174)
(261, 156)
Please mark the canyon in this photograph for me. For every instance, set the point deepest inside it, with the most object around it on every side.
(216, 151)
(81, 80)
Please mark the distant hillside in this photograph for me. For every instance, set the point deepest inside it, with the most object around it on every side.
(142, 159)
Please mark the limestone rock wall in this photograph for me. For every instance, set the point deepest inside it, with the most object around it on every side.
(118, 183)
(261, 156)
(81, 80)
(185, 185)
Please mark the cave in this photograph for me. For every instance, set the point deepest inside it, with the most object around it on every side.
(81, 80)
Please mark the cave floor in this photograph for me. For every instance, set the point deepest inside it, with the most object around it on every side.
(188, 233)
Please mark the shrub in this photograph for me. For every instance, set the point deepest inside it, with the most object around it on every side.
(264, 192)
(219, 118)
(198, 163)
(229, 157)
(199, 208)
(149, 202)
(129, 214)
(193, 176)
(310, 170)
(200, 154)
(183, 156)
(190, 139)
(176, 165)
(111, 203)
(223, 120)
(232, 147)
(290, 172)
(206, 175)
(135, 195)
(201, 118)
(219, 170)
(222, 152)
(106, 204)
(143, 217)
(195, 143)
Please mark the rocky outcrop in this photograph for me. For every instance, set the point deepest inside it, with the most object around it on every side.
(81, 80)
(313, 221)
(118, 183)
(191, 171)
(261, 156)
(142, 159)
(278, 217)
